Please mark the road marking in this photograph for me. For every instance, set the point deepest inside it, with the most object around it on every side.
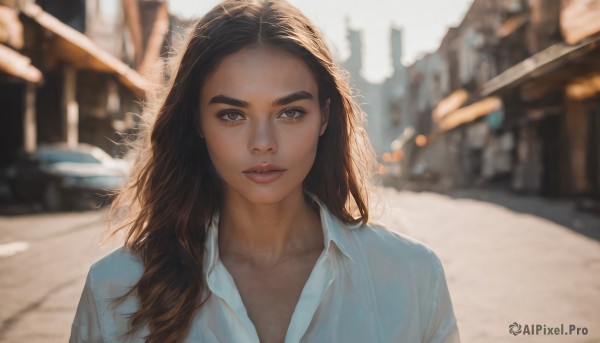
(13, 248)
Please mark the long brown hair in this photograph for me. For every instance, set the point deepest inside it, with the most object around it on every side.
(175, 191)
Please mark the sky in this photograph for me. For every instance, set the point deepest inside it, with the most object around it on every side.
(424, 23)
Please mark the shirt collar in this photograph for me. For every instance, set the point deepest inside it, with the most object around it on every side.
(212, 245)
(334, 230)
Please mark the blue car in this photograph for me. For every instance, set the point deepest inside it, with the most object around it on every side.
(63, 177)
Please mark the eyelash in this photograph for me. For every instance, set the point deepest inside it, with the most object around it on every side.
(227, 113)
(300, 113)
(223, 116)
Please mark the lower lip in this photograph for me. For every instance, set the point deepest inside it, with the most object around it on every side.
(266, 177)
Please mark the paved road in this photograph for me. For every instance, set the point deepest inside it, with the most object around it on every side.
(41, 283)
(503, 264)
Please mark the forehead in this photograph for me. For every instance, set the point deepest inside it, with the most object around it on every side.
(259, 70)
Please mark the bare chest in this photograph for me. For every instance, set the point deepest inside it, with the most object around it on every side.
(271, 295)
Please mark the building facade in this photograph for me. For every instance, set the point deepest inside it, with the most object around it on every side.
(79, 75)
(520, 98)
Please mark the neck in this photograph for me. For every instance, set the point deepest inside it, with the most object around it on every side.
(268, 233)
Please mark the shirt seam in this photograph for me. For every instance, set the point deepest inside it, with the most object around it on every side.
(435, 289)
(371, 291)
(97, 308)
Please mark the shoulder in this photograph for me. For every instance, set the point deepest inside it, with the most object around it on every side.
(395, 260)
(115, 273)
(100, 317)
(408, 280)
(394, 250)
(121, 261)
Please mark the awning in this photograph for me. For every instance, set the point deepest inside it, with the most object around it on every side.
(469, 113)
(13, 63)
(11, 28)
(579, 19)
(450, 103)
(538, 65)
(79, 51)
(584, 87)
(511, 25)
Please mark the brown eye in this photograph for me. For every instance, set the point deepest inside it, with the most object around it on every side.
(292, 113)
(230, 116)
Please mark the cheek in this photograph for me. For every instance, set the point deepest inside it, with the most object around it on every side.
(296, 146)
(302, 148)
(222, 151)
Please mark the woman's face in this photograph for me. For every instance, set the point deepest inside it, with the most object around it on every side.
(261, 121)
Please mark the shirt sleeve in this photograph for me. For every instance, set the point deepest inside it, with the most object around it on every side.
(86, 325)
(441, 326)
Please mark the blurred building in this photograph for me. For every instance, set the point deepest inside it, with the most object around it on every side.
(458, 132)
(515, 98)
(384, 103)
(75, 70)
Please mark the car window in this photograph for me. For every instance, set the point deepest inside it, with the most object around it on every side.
(51, 157)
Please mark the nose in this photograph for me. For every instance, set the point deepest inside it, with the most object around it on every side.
(262, 137)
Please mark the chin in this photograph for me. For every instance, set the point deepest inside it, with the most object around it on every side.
(262, 195)
(266, 196)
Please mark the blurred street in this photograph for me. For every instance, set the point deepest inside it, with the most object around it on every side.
(507, 258)
(505, 102)
(41, 283)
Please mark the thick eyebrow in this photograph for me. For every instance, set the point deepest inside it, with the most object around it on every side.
(223, 99)
(302, 95)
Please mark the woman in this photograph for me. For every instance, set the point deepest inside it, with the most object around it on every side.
(252, 211)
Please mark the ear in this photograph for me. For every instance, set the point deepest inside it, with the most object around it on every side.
(324, 117)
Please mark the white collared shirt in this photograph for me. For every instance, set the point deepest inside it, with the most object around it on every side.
(368, 285)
